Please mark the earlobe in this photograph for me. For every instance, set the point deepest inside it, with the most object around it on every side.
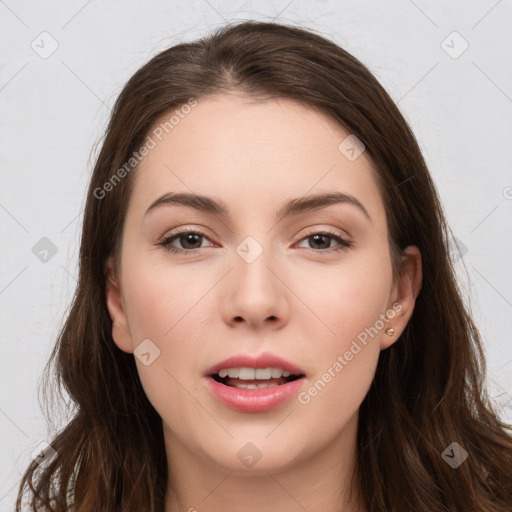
(406, 290)
(120, 329)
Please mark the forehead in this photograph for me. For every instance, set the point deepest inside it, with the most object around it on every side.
(252, 152)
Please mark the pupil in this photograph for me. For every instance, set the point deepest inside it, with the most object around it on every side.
(187, 237)
(316, 237)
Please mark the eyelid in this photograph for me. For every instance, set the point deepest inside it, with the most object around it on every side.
(200, 230)
(313, 230)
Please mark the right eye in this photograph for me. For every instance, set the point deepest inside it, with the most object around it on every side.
(186, 237)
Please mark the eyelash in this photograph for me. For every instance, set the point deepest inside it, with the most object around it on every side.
(166, 242)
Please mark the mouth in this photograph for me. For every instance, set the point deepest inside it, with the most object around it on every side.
(254, 384)
(252, 378)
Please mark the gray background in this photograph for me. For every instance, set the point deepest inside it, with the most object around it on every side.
(54, 107)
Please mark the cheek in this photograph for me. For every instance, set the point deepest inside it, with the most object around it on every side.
(351, 306)
(353, 297)
(168, 305)
(160, 298)
(163, 304)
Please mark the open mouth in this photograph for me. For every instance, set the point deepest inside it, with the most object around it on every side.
(249, 379)
(254, 390)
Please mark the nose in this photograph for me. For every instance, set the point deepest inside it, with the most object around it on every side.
(255, 293)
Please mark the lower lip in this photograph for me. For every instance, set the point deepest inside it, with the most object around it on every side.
(253, 400)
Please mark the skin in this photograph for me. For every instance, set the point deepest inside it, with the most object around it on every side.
(302, 305)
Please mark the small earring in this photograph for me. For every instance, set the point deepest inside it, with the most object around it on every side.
(390, 331)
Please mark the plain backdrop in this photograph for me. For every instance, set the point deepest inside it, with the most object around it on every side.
(62, 64)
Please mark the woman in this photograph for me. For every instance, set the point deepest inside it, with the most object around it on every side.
(262, 368)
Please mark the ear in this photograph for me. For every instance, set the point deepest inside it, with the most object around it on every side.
(116, 308)
(404, 294)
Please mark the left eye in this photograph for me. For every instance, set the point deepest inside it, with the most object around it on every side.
(319, 238)
(190, 239)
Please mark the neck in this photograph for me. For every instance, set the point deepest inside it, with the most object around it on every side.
(317, 482)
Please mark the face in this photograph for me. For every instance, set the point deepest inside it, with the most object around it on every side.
(311, 286)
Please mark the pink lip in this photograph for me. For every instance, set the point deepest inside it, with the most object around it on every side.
(264, 360)
(253, 400)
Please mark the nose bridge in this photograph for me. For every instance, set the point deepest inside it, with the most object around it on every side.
(254, 258)
(256, 293)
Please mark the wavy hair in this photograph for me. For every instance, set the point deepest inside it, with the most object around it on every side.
(428, 390)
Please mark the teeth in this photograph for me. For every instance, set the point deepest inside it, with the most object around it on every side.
(246, 374)
(254, 386)
(263, 373)
(252, 373)
(276, 373)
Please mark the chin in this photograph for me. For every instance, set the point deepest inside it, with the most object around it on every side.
(257, 452)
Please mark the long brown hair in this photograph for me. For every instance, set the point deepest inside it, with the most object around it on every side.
(428, 390)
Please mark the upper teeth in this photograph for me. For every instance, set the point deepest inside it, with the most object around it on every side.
(253, 373)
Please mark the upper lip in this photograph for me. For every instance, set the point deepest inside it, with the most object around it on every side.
(264, 360)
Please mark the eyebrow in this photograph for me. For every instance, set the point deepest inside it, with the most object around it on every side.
(292, 207)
